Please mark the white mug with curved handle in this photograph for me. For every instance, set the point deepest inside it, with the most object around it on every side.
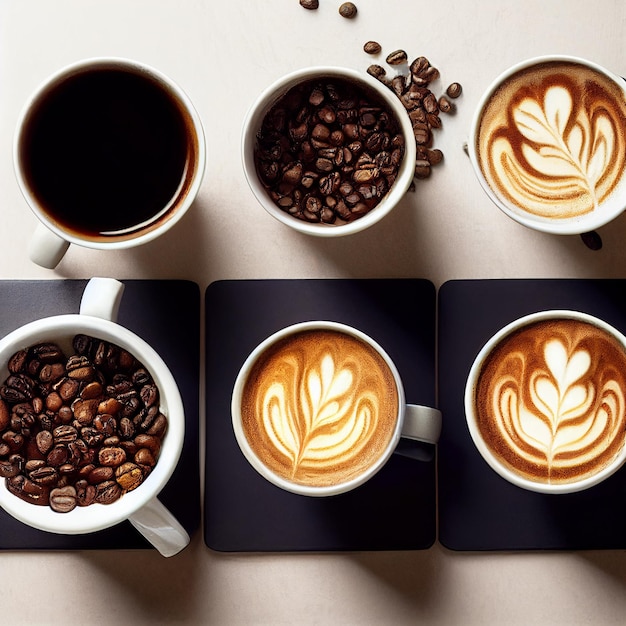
(141, 506)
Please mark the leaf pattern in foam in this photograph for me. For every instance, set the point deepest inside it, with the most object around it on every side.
(564, 144)
(324, 422)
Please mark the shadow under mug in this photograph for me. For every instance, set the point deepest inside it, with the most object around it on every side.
(135, 136)
(547, 150)
(410, 422)
(141, 506)
(560, 402)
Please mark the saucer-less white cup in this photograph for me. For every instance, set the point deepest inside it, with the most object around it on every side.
(141, 507)
(564, 362)
(272, 94)
(570, 142)
(50, 240)
(417, 422)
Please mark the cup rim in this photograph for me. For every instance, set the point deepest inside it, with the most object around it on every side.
(139, 67)
(99, 516)
(253, 459)
(470, 418)
(570, 226)
(271, 94)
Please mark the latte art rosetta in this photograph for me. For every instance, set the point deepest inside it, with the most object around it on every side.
(552, 401)
(552, 140)
(320, 408)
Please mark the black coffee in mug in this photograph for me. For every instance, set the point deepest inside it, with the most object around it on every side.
(107, 152)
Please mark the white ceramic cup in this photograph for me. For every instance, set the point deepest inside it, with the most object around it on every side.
(546, 392)
(566, 144)
(272, 94)
(412, 421)
(98, 311)
(51, 240)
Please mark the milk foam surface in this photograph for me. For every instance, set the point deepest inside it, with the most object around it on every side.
(552, 140)
(320, 408)
(551, 401)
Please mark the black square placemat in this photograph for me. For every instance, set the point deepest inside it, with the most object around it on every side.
(479, 510)
(166, 314)
(243, 512)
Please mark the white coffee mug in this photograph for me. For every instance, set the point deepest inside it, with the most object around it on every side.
(554, 150)
(553, 417)
(141, 506)
(272, 94)
(417, 422)
(53, 237)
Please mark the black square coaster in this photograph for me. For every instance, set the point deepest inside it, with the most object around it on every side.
(244, 512)
(166, 314)
(479, 510)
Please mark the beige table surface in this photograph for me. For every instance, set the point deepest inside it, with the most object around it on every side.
(223, 53)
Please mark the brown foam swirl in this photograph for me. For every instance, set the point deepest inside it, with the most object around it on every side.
(551, 401)
(319, 407)
(552, 140)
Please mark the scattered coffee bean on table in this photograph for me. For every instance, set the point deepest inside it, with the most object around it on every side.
(421, 104)
(328, 151)
(310, 4)
(372, 47)
(348, 10)
(78, 430)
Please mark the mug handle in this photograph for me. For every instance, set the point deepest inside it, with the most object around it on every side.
(422, 423)
(46, 248)
(101, 298)
(154, 521)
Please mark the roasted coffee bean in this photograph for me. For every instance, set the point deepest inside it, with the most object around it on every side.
(129, 476)
(107, 492)
(85, 410)
(44, 440)
(51, 372)
(47, 353)
(64, 434)
(63, 499)
(309, 4)
(592, 240)
(44, 475)
(100, 474)
(17, 363)
(348, 10)
(53, 402)
(67, 388)
(397, 57)
(57, 455)
(5, 415)
(111, 456)
(454, 90)
(85, 493)
(144, 456)
(372, 47)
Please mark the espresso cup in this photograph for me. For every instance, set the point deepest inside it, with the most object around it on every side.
(140, 506)
(545, 401)
(548, 144)
(109, 153)
(295, 164)
(319, 407)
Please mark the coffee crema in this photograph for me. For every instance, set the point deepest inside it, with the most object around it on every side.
(319, 407)
(551, 141)
(108, 153)
(550, 400)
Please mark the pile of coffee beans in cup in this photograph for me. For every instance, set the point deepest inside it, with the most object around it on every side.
(78, 429)
(424, 108)
(329, 150)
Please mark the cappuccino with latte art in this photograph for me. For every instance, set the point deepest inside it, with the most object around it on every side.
(549, 144)
(546, 401)
(319, 407)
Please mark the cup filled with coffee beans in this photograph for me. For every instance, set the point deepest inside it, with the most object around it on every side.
(545, 401)
(108, 153)
(328, 151)
(548, 144)
(319, 407)
(91, 424)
